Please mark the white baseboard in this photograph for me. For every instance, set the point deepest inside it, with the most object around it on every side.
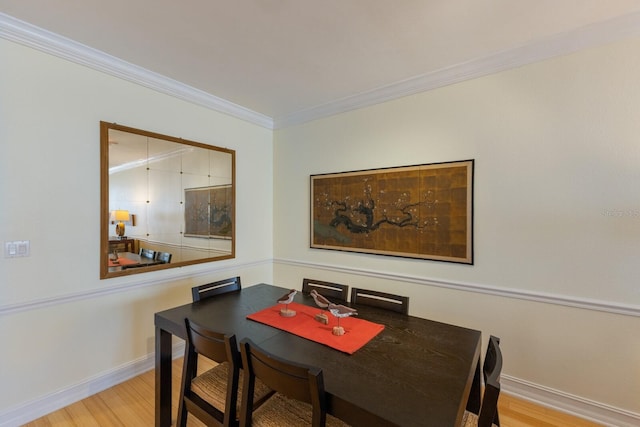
(541, 395)
(568, 403)
(34, 409)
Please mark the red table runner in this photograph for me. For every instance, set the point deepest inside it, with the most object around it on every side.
(122, 261)
(357, 332)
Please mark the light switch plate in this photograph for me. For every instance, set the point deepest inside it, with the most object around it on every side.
(17, 248)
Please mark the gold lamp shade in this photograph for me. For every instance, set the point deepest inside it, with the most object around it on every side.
(119, 216)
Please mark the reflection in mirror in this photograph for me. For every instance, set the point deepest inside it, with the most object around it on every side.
(165, 202)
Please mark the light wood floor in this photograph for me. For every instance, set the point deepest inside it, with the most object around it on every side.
(131, 404)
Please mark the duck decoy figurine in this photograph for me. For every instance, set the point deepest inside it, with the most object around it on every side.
(341, 311)
(323, 303)
(114, 257)
(286, 299)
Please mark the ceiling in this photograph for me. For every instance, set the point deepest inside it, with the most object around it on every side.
(295, 60)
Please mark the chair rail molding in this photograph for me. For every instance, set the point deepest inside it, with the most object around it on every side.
(568, 301)
(128, 285)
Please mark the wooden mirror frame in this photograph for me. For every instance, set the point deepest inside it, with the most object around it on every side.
(105, 209)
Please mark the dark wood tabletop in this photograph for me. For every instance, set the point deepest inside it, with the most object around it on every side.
(416, 372)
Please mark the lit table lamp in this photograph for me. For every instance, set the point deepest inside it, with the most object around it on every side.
(119, 216)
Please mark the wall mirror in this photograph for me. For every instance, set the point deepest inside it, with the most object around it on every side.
(164, 202)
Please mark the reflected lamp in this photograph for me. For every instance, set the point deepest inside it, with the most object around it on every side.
(118, 216)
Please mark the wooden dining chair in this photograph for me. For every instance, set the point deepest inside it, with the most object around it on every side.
(147, 253)
(335, 292)
(491, 371)
(216, 288)
(384, 300)
(213, 396)
(163, 257)
(299, 398)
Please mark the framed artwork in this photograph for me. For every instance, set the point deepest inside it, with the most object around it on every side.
(422, 211)
(208, 212)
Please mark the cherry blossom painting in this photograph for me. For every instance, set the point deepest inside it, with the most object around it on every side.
(208, 212)
(421, 211)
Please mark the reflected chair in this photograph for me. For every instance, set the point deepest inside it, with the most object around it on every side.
(300, 396)
(213, 396)
(378, 299)
(491, 371)
(163, 257)
(216, 288)
(147, 253)
(335, 292)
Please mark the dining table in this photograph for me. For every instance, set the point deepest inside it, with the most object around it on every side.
(414, 372)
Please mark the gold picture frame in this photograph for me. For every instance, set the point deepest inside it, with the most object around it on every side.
(421, 211)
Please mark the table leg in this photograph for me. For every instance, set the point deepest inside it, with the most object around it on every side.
(163, 378)
(473, 403)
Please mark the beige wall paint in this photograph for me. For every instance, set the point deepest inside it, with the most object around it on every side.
(50, 111)
(557, 211)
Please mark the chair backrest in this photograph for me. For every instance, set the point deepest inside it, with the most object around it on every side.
(384, 300)
(219, 348)
(333, 291)
(164, 257)
(294, 380)
(147, 253)
(216, 288)
(491, 371)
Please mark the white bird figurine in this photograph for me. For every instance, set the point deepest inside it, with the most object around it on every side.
(320, 300)
(341, 311)
(286, 299)
(323, 303)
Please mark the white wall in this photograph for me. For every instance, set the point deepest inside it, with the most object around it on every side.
(557, 219)
(60, 325)
(557, 215)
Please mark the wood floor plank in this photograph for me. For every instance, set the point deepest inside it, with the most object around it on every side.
(143, 406)
(140, 388)
(127, 411)
(101, 412)
(60, 418)
(81, 415)
(40, 422)
(521, 413)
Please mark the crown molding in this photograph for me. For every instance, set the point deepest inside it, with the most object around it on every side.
(37, 38)
(560, 44)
